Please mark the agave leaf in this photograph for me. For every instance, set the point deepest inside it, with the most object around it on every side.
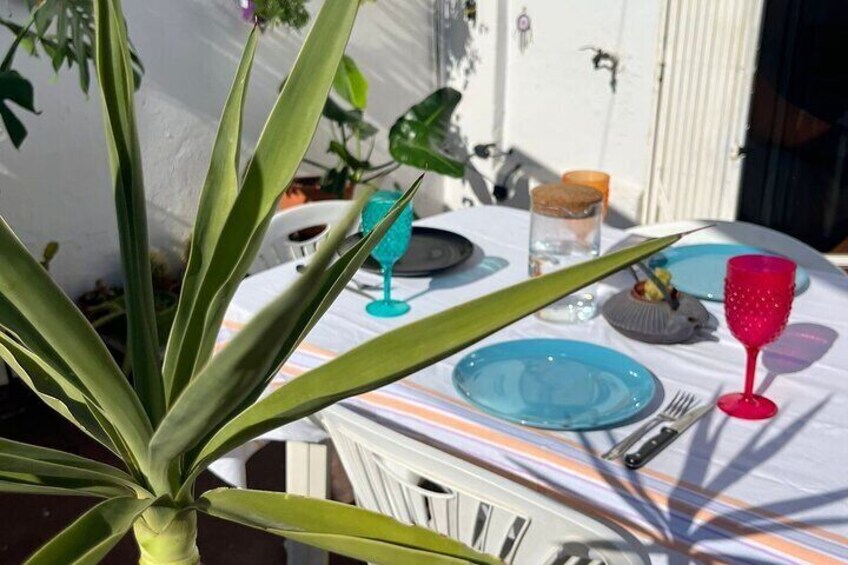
(291, 124)
(350, 83)
(239, 371)
(216, 199)
(117, 86)
(31, 466)
(36, 310)
(403, 351)
(331, 284)
(416, 137)
(345, 529)
(57, 391)
(93, 534)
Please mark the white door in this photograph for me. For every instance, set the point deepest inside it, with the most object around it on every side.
(708, 56)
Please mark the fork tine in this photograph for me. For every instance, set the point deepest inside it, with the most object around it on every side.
(690, 401)
(671, 407)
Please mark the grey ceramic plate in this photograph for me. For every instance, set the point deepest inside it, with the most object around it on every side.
(431, 251)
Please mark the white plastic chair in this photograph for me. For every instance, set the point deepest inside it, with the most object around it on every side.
(278, 246)
(746, 234)
(419, 484)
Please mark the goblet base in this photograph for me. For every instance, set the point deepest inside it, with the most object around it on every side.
(387, 308)
(754, 407)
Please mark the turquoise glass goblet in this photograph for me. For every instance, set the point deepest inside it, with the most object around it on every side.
(391, 248)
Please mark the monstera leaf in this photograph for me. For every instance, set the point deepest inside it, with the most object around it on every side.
(17, 89)
(416, 138)
(350, 118)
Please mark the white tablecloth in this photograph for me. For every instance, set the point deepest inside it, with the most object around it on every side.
(728, 490)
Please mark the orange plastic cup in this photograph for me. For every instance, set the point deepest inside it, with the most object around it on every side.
(595, 179)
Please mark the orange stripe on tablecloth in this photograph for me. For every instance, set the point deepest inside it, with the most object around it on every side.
(476, 431)
(730, 501)
(698, 513)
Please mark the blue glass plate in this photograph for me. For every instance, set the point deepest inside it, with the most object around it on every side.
(555, 384)
(699, 270)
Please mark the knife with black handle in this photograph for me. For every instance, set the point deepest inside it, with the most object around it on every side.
(668, 434)
(650, 448)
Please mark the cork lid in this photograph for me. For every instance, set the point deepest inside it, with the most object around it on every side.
(564, 200)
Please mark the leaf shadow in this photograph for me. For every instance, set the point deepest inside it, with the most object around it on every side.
(694, 494)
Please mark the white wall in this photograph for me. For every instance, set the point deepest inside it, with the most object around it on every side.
(56, 187)
(548, 102)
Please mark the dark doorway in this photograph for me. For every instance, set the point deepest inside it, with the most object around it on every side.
(795, 177)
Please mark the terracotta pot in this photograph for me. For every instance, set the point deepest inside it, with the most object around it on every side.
(308, 189)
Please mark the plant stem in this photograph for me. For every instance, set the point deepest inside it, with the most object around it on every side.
(382, 173)
(750, 371)
(316, 164)
(167, 536)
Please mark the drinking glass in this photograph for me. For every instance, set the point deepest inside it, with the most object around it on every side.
(594, 179)
(391, 248)
(565, 229)
(758, 294)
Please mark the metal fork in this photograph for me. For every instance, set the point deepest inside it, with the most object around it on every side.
(679, 405)
(364, 287)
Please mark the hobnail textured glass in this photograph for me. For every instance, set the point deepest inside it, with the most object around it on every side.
(758, 294)
(391, 248)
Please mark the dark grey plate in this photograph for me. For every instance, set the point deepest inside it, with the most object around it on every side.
(430, 251)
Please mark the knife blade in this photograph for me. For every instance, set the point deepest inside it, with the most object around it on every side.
(667, 434)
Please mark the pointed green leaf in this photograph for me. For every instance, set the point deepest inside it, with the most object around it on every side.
(403, 351)
(33, 466)
(416, 137)
(117, 87)
(350, 83)
(216, 200)
(345, 529)
(331, 284)
(61, 393)
(239, 371)
(93, 535)
(280, 149)
(48, 324)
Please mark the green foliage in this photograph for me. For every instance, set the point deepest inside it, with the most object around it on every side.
(290, 13)
(64, 31)
(186, 412)
(416, 137)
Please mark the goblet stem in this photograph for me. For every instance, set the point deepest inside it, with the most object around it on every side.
(750, 371)
(387, 282)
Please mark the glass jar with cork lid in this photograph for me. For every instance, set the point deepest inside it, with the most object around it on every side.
(565, 229)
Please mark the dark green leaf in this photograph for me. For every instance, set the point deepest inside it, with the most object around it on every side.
(17, 89)
(416, 138)
(345, 155)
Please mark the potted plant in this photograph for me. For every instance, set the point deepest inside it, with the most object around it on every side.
(415, 140)
(186, 410)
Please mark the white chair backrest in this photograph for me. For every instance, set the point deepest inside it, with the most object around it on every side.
(278, 246)
(746, 234)
(421, 485)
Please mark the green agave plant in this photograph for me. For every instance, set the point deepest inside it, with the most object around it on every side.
(183, 412)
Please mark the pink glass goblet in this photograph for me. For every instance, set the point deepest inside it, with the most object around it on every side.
(758, 294)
